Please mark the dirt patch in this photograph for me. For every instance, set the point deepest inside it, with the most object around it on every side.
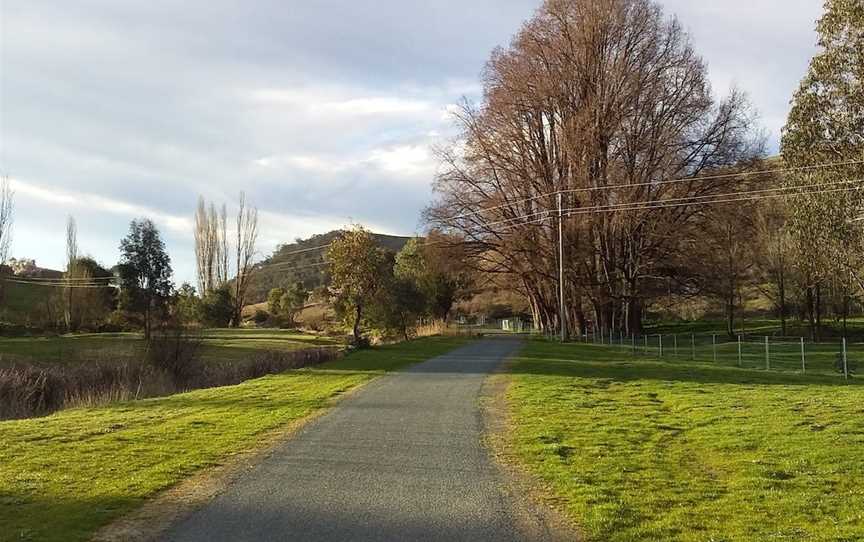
(149, 522)
(538, 514)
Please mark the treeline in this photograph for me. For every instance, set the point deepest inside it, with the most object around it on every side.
(138, 293)
(599, 168)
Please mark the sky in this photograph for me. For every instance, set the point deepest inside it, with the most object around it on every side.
(325, 112)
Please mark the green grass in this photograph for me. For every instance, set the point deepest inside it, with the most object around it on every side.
(831, 329)
(218, 345)
(784, 354)
(65, 475)
(641, 450)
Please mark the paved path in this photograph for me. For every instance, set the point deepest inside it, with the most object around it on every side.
(401, 459)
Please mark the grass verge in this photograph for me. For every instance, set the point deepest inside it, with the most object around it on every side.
(644, 450)
(64, 476)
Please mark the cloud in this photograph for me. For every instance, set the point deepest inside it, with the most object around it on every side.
(80, 202)
(313, 103)
(112, 110)
(405, 160)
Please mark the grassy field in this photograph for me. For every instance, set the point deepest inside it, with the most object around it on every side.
(65, 475)
(643, 450)
(218, 345)
(782, 354)
(831, 329)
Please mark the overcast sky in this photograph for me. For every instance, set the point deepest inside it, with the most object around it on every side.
(322, 111)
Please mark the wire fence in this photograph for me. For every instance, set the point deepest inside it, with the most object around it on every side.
(771, 353)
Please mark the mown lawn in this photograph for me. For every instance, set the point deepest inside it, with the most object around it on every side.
(642, 450)
(64, 476)
(217, 345)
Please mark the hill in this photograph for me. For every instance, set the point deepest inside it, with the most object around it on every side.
(26, 303)
(303, 260)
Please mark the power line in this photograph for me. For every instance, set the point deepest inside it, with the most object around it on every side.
(59, 285)
(660, 204)
(692, 199)
(659, 183)
(306, 250)
(280, 265)
(71, 279)
(325, 262)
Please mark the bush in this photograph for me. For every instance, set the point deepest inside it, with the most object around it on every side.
(174, 350)
(217, 308)
(260, 317)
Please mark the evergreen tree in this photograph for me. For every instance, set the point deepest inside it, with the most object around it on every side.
(145, 272)
(826, 125)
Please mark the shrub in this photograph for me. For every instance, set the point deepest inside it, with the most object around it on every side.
(174, 349)
(260, 317)
(217, 308)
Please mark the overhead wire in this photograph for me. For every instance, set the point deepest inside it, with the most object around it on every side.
(824, 165)
(693, 199)
(660, 204)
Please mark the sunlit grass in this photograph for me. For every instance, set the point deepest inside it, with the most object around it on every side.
(63, 476)
(642, 450)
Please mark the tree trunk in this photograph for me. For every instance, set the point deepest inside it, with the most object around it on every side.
(781, 291)
(634, 316)
(358, 312)
(810, 314)
(147, 321)
(730, 315)
(818, 312)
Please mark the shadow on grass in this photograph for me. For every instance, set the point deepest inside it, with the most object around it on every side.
(593, 361)
(540, 357)
(27, 518)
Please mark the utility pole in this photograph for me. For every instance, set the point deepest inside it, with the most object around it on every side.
(561, 266)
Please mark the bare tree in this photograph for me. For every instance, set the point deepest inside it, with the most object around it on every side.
(71, 272)
(773, 258)
(7, 212)
(603, 101)
(211, 246)
(247, 237)
(7, 209)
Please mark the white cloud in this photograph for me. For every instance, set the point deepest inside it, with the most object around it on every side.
(409, 160)
(93, 203)
(406, 159)
(331, 102)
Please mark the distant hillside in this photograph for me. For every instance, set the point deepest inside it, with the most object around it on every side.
(22, 303)
(303, 261)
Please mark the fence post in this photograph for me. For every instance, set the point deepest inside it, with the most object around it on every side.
(692, 347)
(739, 351)
(633, 340)
(661, 344)
(714, 346)
(645, 350)
(803, 362)
(675, 344)
(602, 341)
(845, 365)
(767, 355)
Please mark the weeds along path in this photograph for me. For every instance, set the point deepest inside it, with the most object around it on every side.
(402, 459)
